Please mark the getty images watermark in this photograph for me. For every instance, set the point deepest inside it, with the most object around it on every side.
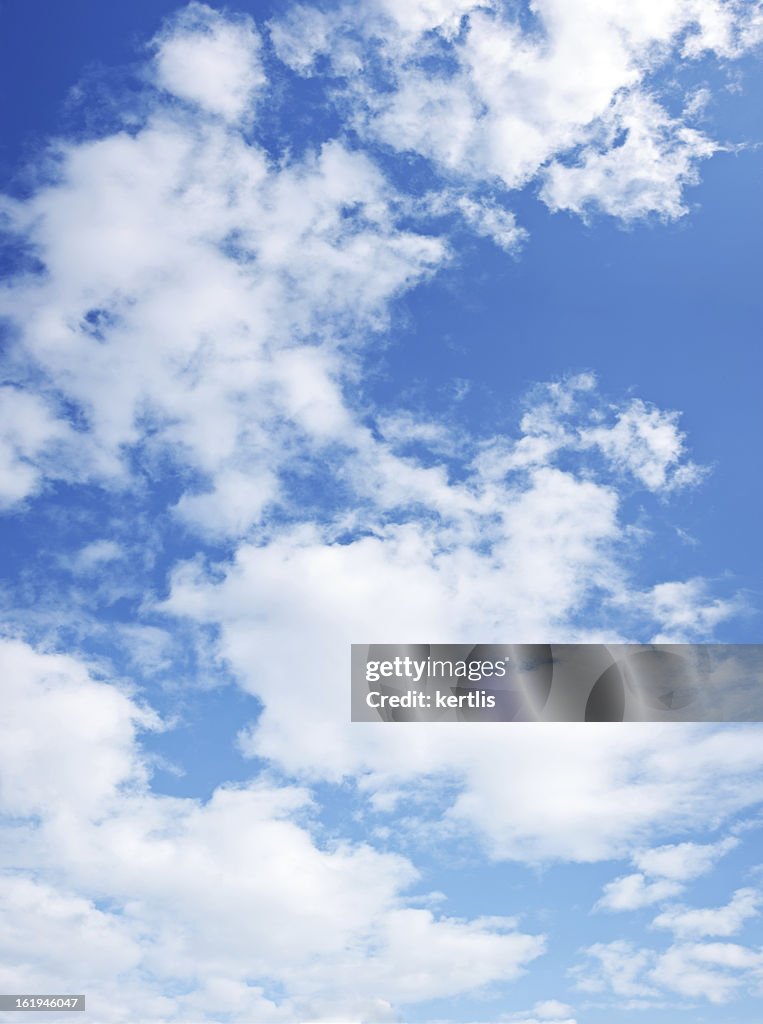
(557, 682)
(405, 667)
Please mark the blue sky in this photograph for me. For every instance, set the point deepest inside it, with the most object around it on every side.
(391, 322)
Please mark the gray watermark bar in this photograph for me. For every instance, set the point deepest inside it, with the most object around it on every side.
(56, 1003)
(557, 683)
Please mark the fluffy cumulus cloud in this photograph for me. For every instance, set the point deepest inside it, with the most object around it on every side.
(683, 861)
(548, 1011)
(162, 890)
(713, 970)
(687, 922)
(288, 611)
(211, 62)
(197, 325)
(641, 978)
(639, 164)
(619, 967)
(633, 891)
(490, 95)
(663, 872)
(184, 272)
(32, 442)
(695, 964)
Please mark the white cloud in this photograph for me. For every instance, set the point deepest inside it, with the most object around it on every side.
(691, 923)
(683, 861)
(493, 222)
(633, 891)
(548, 1011)
(424, 15)
(500, 102)
(32, 440)
(551, 1008)
(47, 765)
(637, 439)
(484, 216)
(54, 939)
(179, 899)
(94, 555)
(207, 59)
(640, 163)
(289, 609)
(234, 505)
(192, 281)
(686, 609)
(541, 1020)
(647, 443)
(238, 292)
(715, 971)
(729, 29)
(617, 967)
(663, 873)
(301, 34)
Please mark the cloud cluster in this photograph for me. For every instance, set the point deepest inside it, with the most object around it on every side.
(191, 280)
(223, 896)
(691, 966)
(562, 95)
(663, 872)
(188, 284)
(196, 329)
(641, 978)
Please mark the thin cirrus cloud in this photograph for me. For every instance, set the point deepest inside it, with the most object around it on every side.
(205, 316)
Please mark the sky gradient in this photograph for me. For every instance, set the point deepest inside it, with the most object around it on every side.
(392, 322)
